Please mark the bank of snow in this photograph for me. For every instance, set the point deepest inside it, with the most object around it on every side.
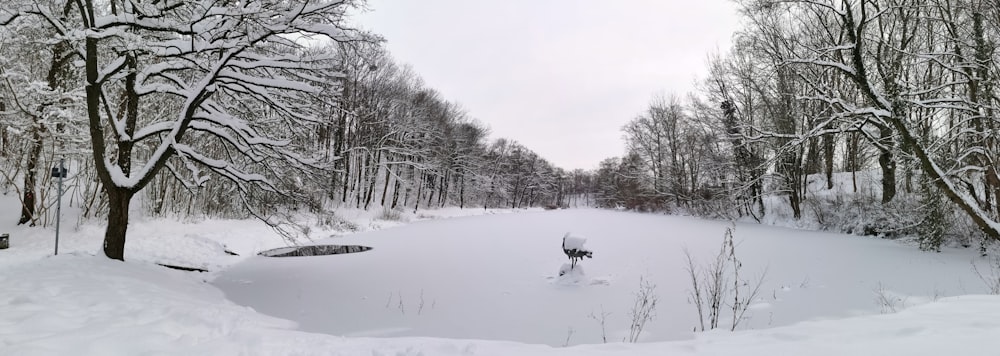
(195, 242)
(85, 305)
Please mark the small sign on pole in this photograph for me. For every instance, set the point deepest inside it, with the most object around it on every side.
(59, 172)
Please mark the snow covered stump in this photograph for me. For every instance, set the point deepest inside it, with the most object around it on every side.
(4, 241)
(573, 247)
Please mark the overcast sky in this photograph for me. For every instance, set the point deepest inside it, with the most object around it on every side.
(559, 76)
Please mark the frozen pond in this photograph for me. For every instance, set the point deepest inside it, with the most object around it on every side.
(493, 277)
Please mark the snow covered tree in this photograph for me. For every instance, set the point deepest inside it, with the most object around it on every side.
(735, 111)
(907, 74)
(45, 103)
(933, 222)
(657, 138)
(162, 79)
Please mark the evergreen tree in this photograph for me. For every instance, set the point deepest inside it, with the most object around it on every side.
(933, 223)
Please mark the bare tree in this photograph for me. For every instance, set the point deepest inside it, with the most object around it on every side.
(234, 72)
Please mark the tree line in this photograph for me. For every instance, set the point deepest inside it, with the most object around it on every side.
(233, 109)
(904, 91)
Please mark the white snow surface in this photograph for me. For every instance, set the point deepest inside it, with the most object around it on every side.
(87, 305)
(494, 277)
(818, 297)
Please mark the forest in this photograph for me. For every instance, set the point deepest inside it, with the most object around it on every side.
(271, 109)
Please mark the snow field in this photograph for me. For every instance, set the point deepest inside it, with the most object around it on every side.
(496, 278)
(85, 305)
(486, 277)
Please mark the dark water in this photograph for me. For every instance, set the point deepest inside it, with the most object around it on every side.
(314, 250)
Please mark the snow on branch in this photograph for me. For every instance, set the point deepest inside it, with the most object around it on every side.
(846, 69)
(233, 73)
(223, 167)
(260, 84)
(8, 18)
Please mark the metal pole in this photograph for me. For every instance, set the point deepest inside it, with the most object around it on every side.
(59, 204)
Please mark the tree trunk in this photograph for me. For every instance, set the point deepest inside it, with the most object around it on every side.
(388, 177)
(430, 196)
(885, 161)
(445, 186)
(852, 159)
(114, 237)
(461, 194)
(420, 190)
(358, 187)
(31, 178)
(345, 177)
(409, 187)
(812, 157)
(793, 174)
(375, 166)
(340, 162)
(395, 194)
(888, 164)
(3, 134)
(161, 198)
(828, 153)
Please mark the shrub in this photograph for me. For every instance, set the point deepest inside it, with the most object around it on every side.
(391, 215)
(714, 284)
(643, 309)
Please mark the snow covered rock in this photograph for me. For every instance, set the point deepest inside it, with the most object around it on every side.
(570, 275)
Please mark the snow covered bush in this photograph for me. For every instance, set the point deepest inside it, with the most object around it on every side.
(707, 289)
(602, 320)
(989, 273)
(924, 215)
(888, 301)
(864, 215)
(391, 215)
(337, 222)
(643, 309)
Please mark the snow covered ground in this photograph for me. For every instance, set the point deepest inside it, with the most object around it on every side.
(485, 277)
(82, 305)
(193, 242)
